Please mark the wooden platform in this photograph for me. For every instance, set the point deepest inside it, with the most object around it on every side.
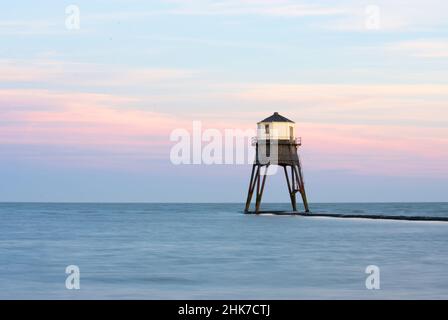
(352, 216)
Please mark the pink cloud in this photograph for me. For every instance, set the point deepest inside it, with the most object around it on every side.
(78, 118)
(385, 150)
(111, 125)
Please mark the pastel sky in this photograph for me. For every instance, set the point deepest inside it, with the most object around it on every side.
(86, 114)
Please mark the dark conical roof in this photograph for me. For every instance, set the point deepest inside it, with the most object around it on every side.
(276, 118)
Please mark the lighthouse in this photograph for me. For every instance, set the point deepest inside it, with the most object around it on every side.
(276, 144)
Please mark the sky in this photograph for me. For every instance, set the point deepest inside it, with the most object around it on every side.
(87, 106)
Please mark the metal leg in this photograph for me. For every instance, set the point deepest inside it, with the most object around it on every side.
(296, 184)
(291, 192)
(260, 189)
(253, 179)
(301, 185)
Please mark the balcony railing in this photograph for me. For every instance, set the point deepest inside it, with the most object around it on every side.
(296, 141)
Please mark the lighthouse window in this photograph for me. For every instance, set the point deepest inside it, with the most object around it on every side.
(266, 128)
(291, 133)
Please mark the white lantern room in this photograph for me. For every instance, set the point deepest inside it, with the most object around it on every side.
(276, 127)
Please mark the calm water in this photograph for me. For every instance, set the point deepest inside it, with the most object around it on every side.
(210, 251)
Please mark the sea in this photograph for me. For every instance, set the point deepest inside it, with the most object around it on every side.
(214, 251)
